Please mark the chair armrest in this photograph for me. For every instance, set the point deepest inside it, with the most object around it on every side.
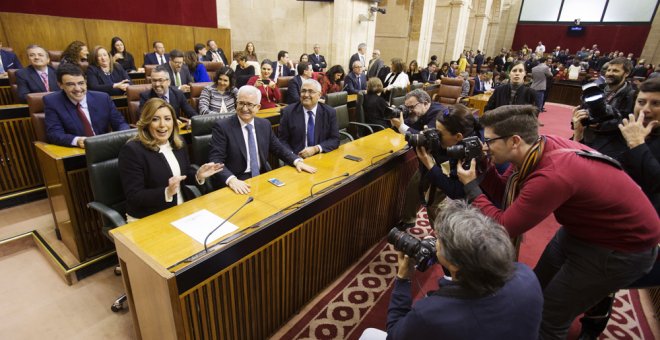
(362, 125)
(346, 134)
(206, 187)
(376, 127)
(107, 212)
(194, 191)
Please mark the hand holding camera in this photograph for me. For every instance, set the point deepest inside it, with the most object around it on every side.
(422, 251)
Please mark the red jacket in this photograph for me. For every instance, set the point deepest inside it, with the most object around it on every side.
(594, 201)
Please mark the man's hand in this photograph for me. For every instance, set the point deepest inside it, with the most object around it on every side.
(81, 142)
(184, 88)
(424, 157)
(301, 166)
(173, 185)
(239, 186)
(634, 131)
(467, 176)
(396, 122)
(308, 151)
(406, 266)
(578, 128)
(207, 170)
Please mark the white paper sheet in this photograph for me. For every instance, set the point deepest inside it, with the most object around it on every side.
(200, 224)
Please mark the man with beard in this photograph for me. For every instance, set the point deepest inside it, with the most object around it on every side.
(160, 88)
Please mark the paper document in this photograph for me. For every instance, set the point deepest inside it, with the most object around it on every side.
(200, 224)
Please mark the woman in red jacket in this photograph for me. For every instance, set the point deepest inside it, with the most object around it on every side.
(270, 93)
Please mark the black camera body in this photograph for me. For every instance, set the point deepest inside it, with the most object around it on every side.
(428, 138)
(423, 251)
(395, 112)
(593, 100)
(467, 150)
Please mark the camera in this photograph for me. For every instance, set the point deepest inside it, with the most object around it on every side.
(593, 100)
(423, 251)
(428, 138)
(265, 81)
(395, 112)
(467, 149)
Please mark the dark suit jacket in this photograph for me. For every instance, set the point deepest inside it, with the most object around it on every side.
(293, 91)
(317, 63)
(426, 78)
(98, 81)
(144, 176)
(186, 78)
(286, 71)
(28, 81)
(374, 68)
(150, 59)
(209, 56)
(176, 98)
(351, 83)
(478, 86)
(355, 57)
(10, 60)
(63, 123)
(292, 127)
(228, 147)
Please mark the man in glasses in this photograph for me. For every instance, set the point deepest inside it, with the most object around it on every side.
(308, 127)
(355, 81)
(73, 113)
(160, 88)
(609, 232)
(243, 143)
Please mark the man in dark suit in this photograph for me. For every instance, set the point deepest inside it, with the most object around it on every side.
(160, 88)
(242, 143)
(215, 53)
(74, 113)
(200, 50)
(8, 61)
(375, 65)
(158, 56)
(309, 127)
(39, 76)
(317, 60)
(282, 67)
(355, 81)
(179, 72)
(479, 83)
(295, 84)
(429, 74)
(479, 60)
(359, 56)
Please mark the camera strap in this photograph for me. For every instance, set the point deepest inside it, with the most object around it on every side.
(590, 154)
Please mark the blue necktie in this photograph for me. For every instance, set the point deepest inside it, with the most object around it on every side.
(310, 129)
(252, 151)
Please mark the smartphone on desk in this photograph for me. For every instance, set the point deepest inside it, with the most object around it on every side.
(353, 158)
(276, 182)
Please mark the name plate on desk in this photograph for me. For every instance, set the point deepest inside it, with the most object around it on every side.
(201, 223)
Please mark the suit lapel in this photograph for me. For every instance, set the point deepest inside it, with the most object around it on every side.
(237, 134)
(93, 114)
(318, 124)
(73, 115)
(34, 75)
(262, 140)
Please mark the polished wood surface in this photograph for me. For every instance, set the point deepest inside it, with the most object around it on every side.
(222, 37)
(6, 96)
(19, 169)
(179, 37)
(479, 102)
(101, 32)
(567, 92)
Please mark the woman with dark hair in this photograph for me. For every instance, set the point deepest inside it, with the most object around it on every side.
(444, 71)
(270, 94)
(219, 97)
(153, 165)
(374, 105)
(513, 93)
(121, 56)
(104, 75)
(75, 53)
(414, 73)
(244, 71)
(197, 69)
(331, 83)
(396, 78)
(304, 58)
(250, 53)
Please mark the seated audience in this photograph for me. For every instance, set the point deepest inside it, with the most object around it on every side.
(283, 67)
(200, 74)
(452, 72)
(478, 302)
(200, 52)
(39, 76)
(414, 74)
(258, 140)
(219, 97)
(179, 72)
(161, 88)
(331, 83)
(397, 78)
(74, 113)
(574, 70)
(8, 61)
(295, 84)
(374, 105)
(154, 165)
(355, 81)
(105, 75)
(465, 89)
(270, 94)
(158, 56)
(429, 74)
(479, 81)
(243, 71)
(250, 53)
(215, 53)
(444, 71)
(75, 53)
(121, 56)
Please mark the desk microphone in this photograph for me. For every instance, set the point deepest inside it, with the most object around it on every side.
(311, 192)
(249, 200)
(382, 154)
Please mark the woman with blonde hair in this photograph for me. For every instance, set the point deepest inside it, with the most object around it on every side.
(250, 53)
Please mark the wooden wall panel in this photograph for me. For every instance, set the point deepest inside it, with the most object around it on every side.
(3, 37)
(101, 32)
(222, 37)
(173, 37)
(54, 33)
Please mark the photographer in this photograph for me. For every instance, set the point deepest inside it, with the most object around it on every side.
(619, 95)
(488, 295)
(422, 112)
(609, 233)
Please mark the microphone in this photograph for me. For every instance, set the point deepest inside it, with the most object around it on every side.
(311, 192)
(382, 154)
(249, 200)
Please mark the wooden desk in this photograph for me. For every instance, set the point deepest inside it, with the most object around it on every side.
(567, 92)
(479, 102)
(288, 248)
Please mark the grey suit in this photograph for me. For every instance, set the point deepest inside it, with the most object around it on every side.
(375, 65)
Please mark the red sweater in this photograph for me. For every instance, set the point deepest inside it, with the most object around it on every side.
(594, 201)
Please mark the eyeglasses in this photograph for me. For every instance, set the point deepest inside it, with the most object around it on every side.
(248, 105)
(160, 80)
(487, 141)
(412, 107)
(305, 91)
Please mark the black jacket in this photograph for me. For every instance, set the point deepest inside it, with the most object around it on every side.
(502, 96)
(98, 81)
(642, 163)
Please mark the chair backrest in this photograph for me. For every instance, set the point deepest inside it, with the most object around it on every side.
(416, 86)
(452, 81)
(284, 93)
(84, 65)
(14, 88)
(342, 116)
(471, 81)
(148, 69)
(448, 94)
(212, 66)
(133, 99)
(196, 89)
(283, 81)
(359, 107)
(202, 126)
(55, 64)
(36, 108)
(55, 55)
(12, 76)
(398, 101)
(337, 98)
(102, 154)
(397, 94)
